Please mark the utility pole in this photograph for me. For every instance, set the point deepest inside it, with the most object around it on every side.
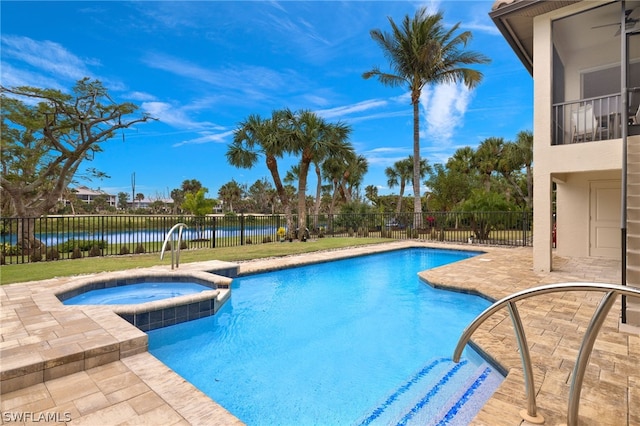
(133, 188)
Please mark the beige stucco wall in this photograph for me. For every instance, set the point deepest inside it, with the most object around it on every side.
(604, 159)
(573, 210)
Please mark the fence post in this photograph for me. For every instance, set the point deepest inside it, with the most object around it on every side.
(241, 229)
(106, 246)
(524, 228)
(213, 243)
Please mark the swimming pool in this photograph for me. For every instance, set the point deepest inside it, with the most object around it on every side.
(354, 341)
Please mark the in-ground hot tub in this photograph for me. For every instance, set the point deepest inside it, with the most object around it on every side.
(178, 296)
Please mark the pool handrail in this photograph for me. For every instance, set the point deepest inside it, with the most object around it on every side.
(180, 226)
(584, 353)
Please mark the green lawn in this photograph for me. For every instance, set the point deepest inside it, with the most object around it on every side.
(62, 268)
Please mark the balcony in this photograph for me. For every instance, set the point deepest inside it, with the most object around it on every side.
(587, 120)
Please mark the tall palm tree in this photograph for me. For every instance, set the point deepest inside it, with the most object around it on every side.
(313, 138)
(422, 52)
(268, 137)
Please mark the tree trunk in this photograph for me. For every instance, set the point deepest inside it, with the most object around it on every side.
(316, 207)
(399, 206)
(417, 202)
(302, 188)
(272, 165)
(27, 243)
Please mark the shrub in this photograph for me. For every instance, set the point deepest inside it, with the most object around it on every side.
(8, 249)
(76, 253)
(2, 259)
(350, 232)
(52, 254)
(95, 251)
(266, 239)
(36, 255)
(124, 250)
(140, 249)
(84, 245)
(183, 245)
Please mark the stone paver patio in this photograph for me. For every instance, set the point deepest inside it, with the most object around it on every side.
(89, 366)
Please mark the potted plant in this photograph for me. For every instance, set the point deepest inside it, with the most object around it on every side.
(281, 233)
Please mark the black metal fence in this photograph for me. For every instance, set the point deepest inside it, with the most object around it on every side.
(67, 237)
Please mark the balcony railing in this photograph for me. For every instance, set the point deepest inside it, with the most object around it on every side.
(586, 120)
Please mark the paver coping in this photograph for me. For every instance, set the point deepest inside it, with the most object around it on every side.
(87, 365)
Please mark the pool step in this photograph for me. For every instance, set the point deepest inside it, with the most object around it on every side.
(463, 406)
(434, 395)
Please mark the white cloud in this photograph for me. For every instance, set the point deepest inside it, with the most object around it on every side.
(432, 6)
(140, 96)
(481, 27)
(350, 109)
(443, 108)
(386, 156)
(174, 116)
(207, 138)
(47, 56)
(15, 77)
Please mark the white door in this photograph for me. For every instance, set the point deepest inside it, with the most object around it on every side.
(604, 219)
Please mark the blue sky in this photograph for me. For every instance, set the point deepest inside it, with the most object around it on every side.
(202, 67)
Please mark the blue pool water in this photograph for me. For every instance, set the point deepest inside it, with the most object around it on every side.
(135, 293)
(356, 341)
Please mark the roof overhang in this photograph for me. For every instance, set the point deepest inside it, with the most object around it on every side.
(514, 19)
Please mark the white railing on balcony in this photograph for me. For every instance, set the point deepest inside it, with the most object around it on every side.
(586, 120)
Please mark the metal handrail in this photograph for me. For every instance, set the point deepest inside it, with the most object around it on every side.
(584, 353)
(180, 227)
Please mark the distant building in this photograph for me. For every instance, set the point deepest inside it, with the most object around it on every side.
(87, 195)
(146, 203)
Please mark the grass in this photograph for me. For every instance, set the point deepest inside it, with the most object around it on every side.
(64, 268)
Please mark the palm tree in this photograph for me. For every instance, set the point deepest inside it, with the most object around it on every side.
(344, 172)
(354, 175)
(371, 192)
(399, 175)
(229, 193)
(421, 52)
(524, 148)
(462, 160)
(487, 159)
(402, 173)
(314, 138)
(268, 137)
